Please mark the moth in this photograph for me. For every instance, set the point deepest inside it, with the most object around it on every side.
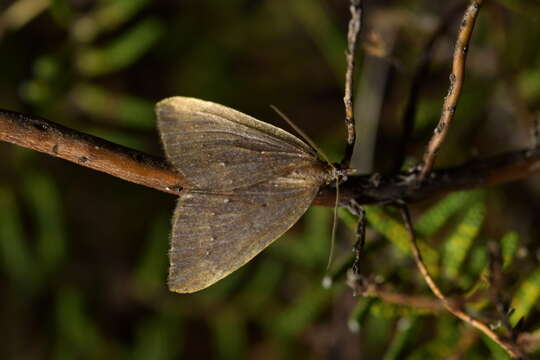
(249, 183)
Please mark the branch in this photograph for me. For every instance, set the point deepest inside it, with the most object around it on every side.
(98, 154)
(355, 25)
(499, 169)
(454, 91)
(86, 150)
(509, 346)
(369, 287)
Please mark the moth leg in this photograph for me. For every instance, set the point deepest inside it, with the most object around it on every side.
(359, 211)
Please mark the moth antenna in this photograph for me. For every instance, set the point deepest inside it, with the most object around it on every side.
(304, 135)
(334, 228)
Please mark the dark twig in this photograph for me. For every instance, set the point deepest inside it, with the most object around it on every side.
(418, 81)
(496, 287)
(357, 210)
(496, 170)
(454, 91)
(507, 344)
(355, 25)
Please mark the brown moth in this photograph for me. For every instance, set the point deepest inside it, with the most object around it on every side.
(250, 182)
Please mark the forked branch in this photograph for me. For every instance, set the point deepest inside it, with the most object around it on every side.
(507, 344)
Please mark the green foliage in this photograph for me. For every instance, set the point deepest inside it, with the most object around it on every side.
(461, 240)
(526, 297)
(16, 258)
(394, 231)
(129, 111)
(120, 53)
(405, 330)
(76, 328)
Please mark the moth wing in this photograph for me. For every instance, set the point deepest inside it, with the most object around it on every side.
(216, 233)
(216, 147)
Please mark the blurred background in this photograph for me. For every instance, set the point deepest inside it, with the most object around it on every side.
(83, 255)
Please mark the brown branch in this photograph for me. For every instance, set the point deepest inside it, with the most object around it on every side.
(454, 91)
(509, 346)
(56, 140)
(355, 25)
(86, 150)
(369, 287)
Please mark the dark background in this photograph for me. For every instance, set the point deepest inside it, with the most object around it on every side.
(83, 256)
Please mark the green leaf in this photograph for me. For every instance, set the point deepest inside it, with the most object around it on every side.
(115, 13)
(442, 343)
(315, 18)
(405, 330)
(460, 241)
(526, 297)
(434, 218)
(265, 280)
(158, 338)
(123, 109)
(122, 52)
(479, 260)
(76, 331)
(509, 246)
(151, 273)
(398, 235)
(307, 306)
(43, 198)
(14, 253)
(497, 353)
(359, 314)
(230, 334)
(312, 247)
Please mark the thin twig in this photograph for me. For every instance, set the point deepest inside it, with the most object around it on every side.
(510, 347)
(369, 287)
(418, 82)
(454, 91)
(355, 25)
(496, 287)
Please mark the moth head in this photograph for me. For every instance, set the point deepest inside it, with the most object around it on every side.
(338, 174)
